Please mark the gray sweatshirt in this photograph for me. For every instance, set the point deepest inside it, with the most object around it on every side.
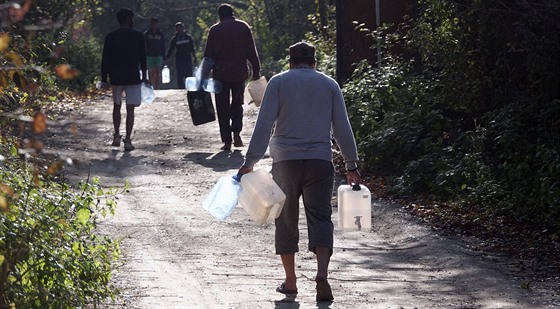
(304, 107)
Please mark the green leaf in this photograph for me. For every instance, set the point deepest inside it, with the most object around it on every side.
(78, 248)
(83, 216)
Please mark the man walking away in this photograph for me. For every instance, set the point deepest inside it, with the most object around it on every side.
(155, 52)
(124, 51)
(230, 44)
(184, 56)
(305, 108)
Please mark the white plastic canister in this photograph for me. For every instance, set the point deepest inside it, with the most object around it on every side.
(165, 75)
(354, 207)
(256, 89)
(261, 197)
(223, 197)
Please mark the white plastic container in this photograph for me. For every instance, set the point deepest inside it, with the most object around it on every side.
(147, 92)
(211, 85)
(256, 89)
(223, 198)
(165, 75)
(203, 71)
(354, 207)
(193, 83)
(261, 197)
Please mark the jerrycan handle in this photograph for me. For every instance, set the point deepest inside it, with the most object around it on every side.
(356, 187)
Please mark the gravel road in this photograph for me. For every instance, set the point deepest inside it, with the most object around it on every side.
(176, 255)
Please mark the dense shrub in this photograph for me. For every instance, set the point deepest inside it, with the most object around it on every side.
(468, 110)
(50, 255)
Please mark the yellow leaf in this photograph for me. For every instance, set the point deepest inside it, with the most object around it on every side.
(39, 123)
(3, 204)
(15, 58)
(18, 79)
(65, 71)
(5, 189)
(53, 168)
(4, 41)
(3, 79)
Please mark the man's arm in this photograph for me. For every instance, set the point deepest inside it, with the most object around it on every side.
(162, 46)
(171, 46)
(210, 47)
(342, 130)
(105, 60)
(193, 53)
(253, 56)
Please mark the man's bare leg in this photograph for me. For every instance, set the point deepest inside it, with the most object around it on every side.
(288, 262)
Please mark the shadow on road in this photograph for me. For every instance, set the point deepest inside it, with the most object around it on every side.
(219, 162)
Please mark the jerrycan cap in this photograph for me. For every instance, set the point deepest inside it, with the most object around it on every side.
(356, 187)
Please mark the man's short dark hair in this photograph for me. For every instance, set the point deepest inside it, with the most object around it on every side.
(124, 14)
(225, 10)
(302, 52)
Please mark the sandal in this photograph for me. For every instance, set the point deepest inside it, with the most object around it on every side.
(282, 289)
(226, 147)
(324, 292)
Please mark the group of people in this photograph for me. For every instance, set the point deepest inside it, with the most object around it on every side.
(301, 111)
(156, 55)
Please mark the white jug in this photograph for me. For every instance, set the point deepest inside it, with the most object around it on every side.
(261, 197)
(256, 89)
(223, 197)
(354, 207)
(193, 84)
(165, 75)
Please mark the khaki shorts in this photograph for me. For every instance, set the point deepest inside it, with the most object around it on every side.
(132, 94)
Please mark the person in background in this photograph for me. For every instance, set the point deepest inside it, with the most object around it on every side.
(184, 56)
(124, 51)
(155, 52)
(305, 108)
(230, 45)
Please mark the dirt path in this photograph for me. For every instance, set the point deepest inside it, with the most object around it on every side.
(175, 255)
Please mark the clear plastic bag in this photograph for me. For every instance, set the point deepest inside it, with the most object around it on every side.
(147, 91)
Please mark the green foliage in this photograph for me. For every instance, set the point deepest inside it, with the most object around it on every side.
(50, 255)
(468, 109)
(83, 53)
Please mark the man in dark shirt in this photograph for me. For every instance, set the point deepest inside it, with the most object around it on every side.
(185, 50)
(155, 51)
(230, 44)
(124, 52)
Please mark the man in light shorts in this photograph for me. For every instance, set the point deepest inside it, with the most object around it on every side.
(124, 52)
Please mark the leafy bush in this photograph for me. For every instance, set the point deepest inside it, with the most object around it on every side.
(469, 109)
(84, 54)
(50, 255)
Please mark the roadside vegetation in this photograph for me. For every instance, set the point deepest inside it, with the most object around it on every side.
(51, 255)
(464, 121)
(460, 122)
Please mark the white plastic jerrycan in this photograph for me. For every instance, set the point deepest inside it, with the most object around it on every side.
(165, 75)
(223, 197)
(261, 197)
(354, 207)
(256, 89)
